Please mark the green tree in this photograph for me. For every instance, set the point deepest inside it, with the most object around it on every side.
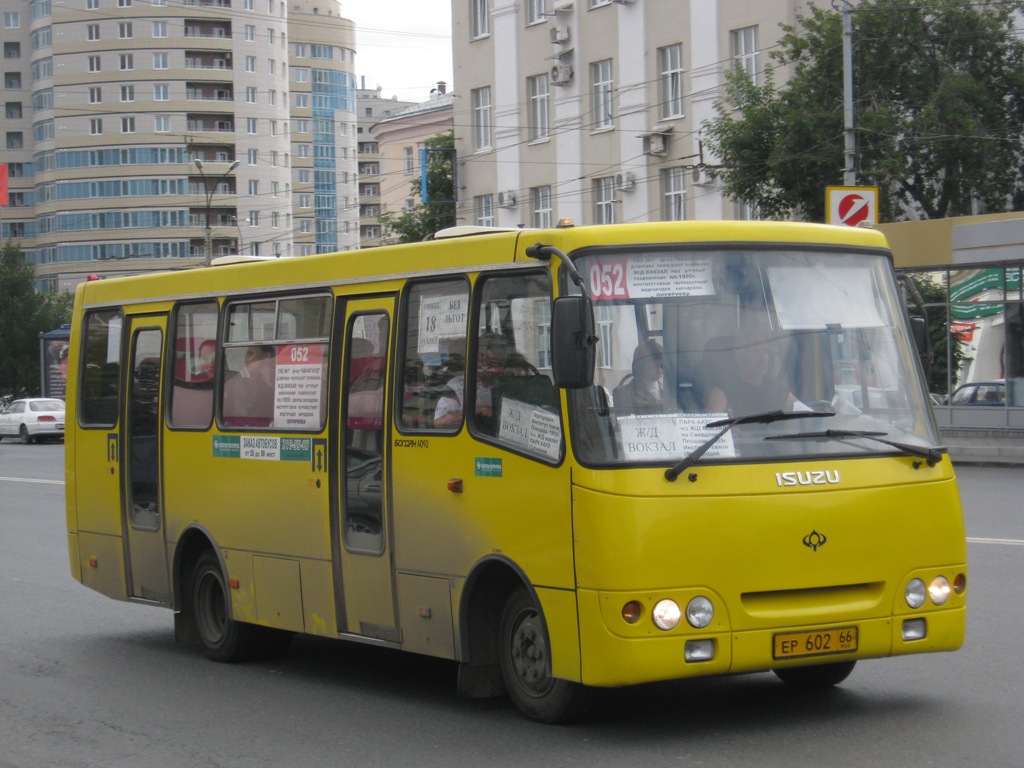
(438, 212)
(24, 314)
(938, 114)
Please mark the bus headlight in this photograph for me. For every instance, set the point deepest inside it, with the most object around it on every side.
(915, 593)
(699, 612)
(666, 614)
(939, 590)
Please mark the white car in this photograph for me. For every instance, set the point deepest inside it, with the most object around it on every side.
(33, 418)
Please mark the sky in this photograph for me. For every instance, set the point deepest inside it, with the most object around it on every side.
(404, 46)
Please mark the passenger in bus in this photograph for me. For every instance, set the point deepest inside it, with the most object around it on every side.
(745, 382)
(249, 396)
(492, 354)
(643, 391)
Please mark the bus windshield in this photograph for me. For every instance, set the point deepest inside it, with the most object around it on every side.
(694, 337)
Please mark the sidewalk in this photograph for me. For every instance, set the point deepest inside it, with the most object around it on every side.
(990, 447)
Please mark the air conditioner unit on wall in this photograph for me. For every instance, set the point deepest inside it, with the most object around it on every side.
(559, 35)
(506, 199)
(656, 144)
(561, 73)
(624, 181)
(701, 176)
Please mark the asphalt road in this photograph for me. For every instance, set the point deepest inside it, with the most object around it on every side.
(88, 681)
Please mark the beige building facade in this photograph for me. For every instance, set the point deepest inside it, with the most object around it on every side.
(592, 109)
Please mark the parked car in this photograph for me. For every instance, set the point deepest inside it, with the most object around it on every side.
(33, 418)
(979, 393)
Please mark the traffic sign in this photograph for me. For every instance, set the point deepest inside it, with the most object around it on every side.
(851, 206)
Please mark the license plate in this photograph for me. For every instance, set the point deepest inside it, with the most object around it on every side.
(814, 642)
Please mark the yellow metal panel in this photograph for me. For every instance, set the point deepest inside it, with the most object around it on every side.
(101, 562)
(278, 593)
(425, 615)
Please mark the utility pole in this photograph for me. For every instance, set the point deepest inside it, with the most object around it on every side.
(850, 155)
(208, 233)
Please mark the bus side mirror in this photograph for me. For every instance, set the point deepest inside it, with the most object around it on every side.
(573, 343)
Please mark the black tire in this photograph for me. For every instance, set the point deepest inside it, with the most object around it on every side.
(526, 665)
(816, 677)
(221, 638)
(26, 438)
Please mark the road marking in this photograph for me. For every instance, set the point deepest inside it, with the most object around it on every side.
(32, 480)
(1009, 542)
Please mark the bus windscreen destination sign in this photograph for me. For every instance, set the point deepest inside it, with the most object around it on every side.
(649, 276)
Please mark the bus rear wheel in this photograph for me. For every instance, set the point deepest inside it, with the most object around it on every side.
(221, 638)
(526, 665)
(817, 676)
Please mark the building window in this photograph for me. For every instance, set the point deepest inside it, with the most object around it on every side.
(409, 155)
(254, 188)
(127, 61)
(127, 93)
(161, 92)
(744, 51)
(95, 126)
(127, 125)
(12, 20)
(250, 125)
(481, 20)
(604, 200)
(540, 107)
(95, 95)
(252, 155)
(481, 98)
(250, 63)
(250, 33)
(673, 190)
(250, 94)
(602, 89)
(124, 30)
(484, 205)
(159, 29)
(15, 140)
(94, 63)
(670, 64)
(93, 31)
(161, 123)
(160, 60)
(254, 218)
(540, 203)
(535, 11)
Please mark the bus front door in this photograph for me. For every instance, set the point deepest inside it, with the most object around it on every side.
(146, 553)
(364, 582)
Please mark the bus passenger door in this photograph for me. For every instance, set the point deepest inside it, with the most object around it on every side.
(361, 519)
(146, 553)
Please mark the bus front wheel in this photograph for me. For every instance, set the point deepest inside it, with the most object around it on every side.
(220, 637)
(817, 676)
(526, 665)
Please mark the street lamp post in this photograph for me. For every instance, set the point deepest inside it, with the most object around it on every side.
(208, 234)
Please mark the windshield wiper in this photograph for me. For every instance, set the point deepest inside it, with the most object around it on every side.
(727, 424)
(930, 455)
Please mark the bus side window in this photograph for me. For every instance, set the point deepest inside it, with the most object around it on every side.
(100, 375)
(436, 317)
(195, 352)
(364, 431)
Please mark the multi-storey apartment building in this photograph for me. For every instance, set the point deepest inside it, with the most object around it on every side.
(592, 109)
(143, 131)
(399, 139)
(372, 107)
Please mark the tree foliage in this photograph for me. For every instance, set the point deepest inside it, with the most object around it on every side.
(938, 112)
(438, 211)
(24, 314)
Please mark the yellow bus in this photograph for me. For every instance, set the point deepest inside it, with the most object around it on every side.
(565, 459)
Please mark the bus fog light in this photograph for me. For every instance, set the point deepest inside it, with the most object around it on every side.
(666, 614)
(699, 612)
(699, 650)
(915, 593)
(960, 583)
(939, 590)
(915, 629)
